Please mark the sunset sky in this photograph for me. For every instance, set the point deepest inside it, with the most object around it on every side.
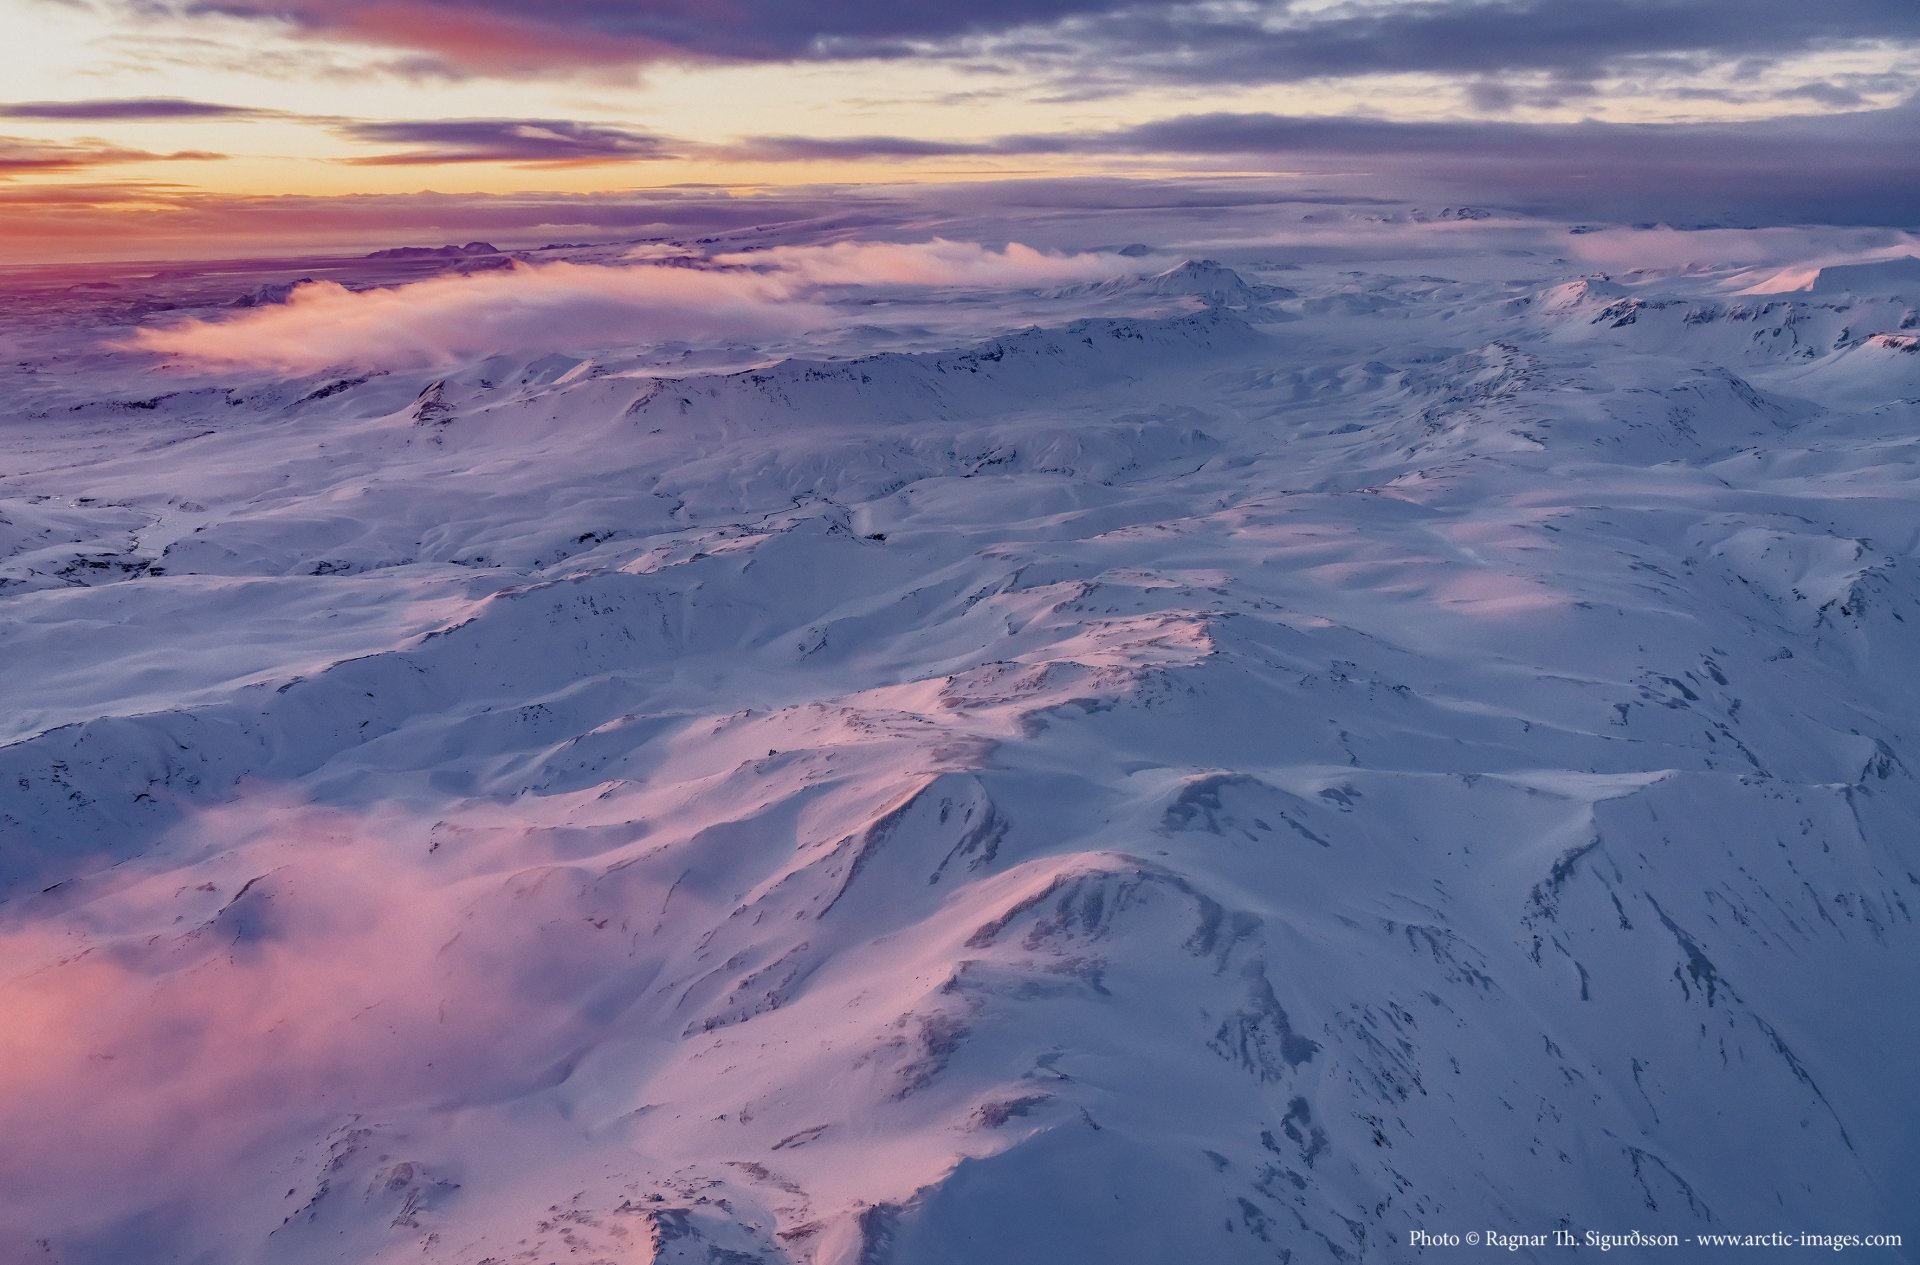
(175, 127)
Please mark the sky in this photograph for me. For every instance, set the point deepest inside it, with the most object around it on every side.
(150, 128)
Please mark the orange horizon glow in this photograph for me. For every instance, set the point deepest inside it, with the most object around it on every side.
(274, 119)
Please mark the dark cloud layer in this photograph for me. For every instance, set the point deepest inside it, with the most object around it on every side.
(1847, 168)
(1572, 41)
(530, 142)
(1851, 168)
(510, 35)
(1260, 41)
(125, 109)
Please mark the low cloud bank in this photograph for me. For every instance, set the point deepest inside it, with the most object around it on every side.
(527, 308)
(534, 308)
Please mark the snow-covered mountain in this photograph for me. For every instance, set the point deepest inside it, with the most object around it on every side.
(1208, 281)
(1230, 785)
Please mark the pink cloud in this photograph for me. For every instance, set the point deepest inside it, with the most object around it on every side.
(184, 1027)
(526, 308)
(533, 308)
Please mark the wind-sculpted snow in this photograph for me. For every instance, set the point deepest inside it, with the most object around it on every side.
(1236, 785)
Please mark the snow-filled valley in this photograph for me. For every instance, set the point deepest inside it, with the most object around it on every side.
(1233, 763)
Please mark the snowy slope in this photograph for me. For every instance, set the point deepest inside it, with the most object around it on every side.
(1898, 275)
(1201, 787)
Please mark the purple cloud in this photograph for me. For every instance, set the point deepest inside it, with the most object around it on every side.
(1263, 41)
(19, 157)
(1573, 41)
(493, 36)
(126, 109)
(530, 142)
(1847, 168)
